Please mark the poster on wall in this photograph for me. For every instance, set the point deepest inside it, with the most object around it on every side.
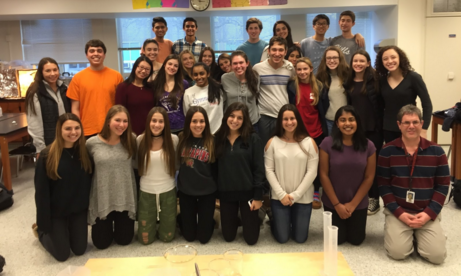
(147, 4)
(246, 3)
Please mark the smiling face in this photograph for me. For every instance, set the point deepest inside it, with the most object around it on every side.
(293, 57)
(187, 60)
(224, 64)
(345, 23)
(277, 53)
(332, 59)
(289, 122)
(197, 124)
(200, 76)
(347, 124)
(253, 31)
(360, 63)
(207, 57)
(118, 124)
(157, 124)
(50, 73)
(150, 51)
(160, 29)
(303, 71)
(410, 126)
(143, 70)
(281, 30)
(95, 56)
(391, 60)
(190, 28)
(321, 27)
(171, 67)
(239, 65)
(235, 120)
(71, 132)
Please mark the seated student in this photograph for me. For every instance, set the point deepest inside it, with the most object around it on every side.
(157, 168)
(186, 61)
(159, 27)
(62, 191)
(413, 180)
(206, 93)
(150, 49)
(254, 46)
(291, 160)
(347, 169)
(190, 41)
(347, 41)
(207, 56)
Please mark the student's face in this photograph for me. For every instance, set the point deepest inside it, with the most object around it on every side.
(151, 51)
(197, 124)
(253, 31)
(157, 124)
(143, 70)
(332, 59)
(188, 61)
(321, 26)
(277, 53)
(345, 23)
(207, 57)
(160, 29)
(239, 65)
(200, 76)
(235, 120)
(281, 30)
(190, 28)
(289, 122)
(224, 63)
(360, 63)
(293, 57)
(391, 60)
(119, 123)
(303, 71)
(95, 56)
(410, 126)
(347, 124)
(50, 73)
(171, 67)
(71, 131)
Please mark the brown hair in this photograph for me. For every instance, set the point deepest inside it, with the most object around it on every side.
(312, 81)
(323, 73)
(404, 62)
(181, 65)
(252, 21)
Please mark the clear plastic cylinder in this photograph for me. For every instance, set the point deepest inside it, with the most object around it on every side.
(326, 246)
(332, 268)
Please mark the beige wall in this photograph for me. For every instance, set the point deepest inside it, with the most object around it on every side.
(11, 49)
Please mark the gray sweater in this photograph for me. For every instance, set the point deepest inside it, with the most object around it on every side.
(113, 187)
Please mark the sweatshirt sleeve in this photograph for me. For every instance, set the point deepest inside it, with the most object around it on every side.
(259, 177)
(423, 95)
(185, 102)
(42, 195)
(311, 171)
(35, 125)
(269, 162)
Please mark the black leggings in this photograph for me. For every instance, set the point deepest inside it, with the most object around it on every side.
(353, 229)
(70, 233)
(195, 208)
(229, 221)
(317, 184)
(117, 226)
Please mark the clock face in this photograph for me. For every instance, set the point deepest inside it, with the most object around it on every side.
(200, 5)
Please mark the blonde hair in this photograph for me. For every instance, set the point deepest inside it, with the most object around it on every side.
(184, 69)
(312, 81)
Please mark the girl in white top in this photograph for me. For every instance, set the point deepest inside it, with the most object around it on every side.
(206, 93)
(291, 161)
(157, 167)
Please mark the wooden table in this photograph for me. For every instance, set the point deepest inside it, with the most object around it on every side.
(273, 264)
(13, 126)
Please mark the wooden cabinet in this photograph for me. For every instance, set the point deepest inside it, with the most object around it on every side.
(13, 105)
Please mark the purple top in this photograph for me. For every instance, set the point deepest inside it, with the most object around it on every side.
(347, 169)
(138, 100)
(176, 116)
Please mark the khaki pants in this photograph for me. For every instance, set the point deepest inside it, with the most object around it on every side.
(398, 239)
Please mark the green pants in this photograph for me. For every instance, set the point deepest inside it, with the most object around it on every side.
(147, 217)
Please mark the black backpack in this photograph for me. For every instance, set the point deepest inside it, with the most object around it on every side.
(456, 193)
(6, 198)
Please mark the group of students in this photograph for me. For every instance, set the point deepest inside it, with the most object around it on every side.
(275, 122)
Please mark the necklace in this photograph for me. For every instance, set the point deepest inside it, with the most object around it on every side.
(157, 137)
(71, 155)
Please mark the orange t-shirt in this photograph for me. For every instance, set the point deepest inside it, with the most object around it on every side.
(164, 50)
(95, 90)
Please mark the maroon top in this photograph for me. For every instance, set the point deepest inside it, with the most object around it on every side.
(309, 113)
(138, 100)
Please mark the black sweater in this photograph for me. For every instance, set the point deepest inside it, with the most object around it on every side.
(241, 172)
(62, 197)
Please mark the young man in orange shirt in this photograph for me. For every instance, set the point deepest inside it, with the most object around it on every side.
(159, 27)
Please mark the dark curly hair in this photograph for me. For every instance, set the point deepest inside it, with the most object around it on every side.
(404, 62)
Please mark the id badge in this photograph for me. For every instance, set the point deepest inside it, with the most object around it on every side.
(410, 197)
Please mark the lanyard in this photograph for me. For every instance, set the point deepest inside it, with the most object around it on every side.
(412, 168)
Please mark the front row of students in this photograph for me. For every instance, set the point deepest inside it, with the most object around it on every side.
(229, 166)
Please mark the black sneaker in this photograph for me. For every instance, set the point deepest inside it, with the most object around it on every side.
(373, 206)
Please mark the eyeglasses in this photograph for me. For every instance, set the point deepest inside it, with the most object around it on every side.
(321, 24)
(332, 58)
(407, 123)
(142, 69)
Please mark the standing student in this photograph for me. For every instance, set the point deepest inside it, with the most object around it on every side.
(291, 160)
(242, 85)
(190, 42)
(186, 61)
(207, 56)
(206, 93)
(197, 177)
(135, 94)
(92, 90)
(293, 53)
(363, 94)
(333, 73)
(346, 41)
(254, 46)
(400, 85)
(45, 101)
(159, 27)
(157, 168)
(281, 28)
(150, 49)
(241, 175)
(169, 89)
(347, 170)
(224, 62)
(62, 189)
(112, 208)
(304, 91)
(274, 74)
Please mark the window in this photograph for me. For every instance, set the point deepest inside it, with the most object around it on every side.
(228, 32)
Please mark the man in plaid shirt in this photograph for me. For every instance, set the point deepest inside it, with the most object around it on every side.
(190, 42)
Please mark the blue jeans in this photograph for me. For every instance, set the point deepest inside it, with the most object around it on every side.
(329, 126)
(290, 221)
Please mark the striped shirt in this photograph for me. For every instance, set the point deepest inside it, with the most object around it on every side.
(196, 47)
(431, 178)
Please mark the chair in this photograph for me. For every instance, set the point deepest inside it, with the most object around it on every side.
(27, 150)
